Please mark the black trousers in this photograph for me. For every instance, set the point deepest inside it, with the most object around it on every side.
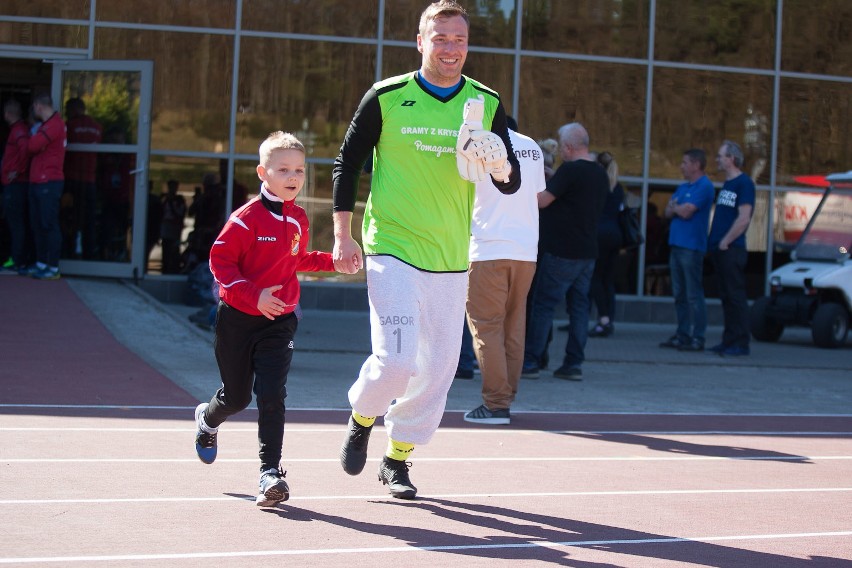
(254, 355)
(730, 277)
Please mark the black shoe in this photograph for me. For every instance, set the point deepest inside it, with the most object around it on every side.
(602, 330)
(353, 454)
(718, 348)
(482, 415)
(569, 373)
(564, 327)
(530, 372)
(394, 474)
(463, 374)
(273, 488)
(694, 345)
(673, 342)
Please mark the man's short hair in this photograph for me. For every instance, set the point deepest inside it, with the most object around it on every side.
(440, 10)
(574, 134)
(75, 104)
(14, 107)
(697, 155)
(279, 140)
(734, 151)
(43, 99)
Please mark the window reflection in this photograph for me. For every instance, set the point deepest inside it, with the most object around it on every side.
(591, 27)
(44, 35)
(69, 9)
(317, 108)
(200, 185)
(607, 98)
(198, 13)
(813, 128)
(700, 109)
(817, 41)
(321, 17)
(192, 84)
(492, 24)
(740, 34)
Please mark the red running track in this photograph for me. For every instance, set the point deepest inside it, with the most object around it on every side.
(97, 468)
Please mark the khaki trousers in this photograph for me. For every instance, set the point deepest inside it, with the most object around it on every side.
(496, 311)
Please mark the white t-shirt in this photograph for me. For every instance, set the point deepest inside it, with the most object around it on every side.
(505, 227)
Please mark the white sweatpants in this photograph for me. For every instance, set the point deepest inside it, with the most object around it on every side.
(416, 321)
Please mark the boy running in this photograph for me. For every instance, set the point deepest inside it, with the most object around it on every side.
(254, 260)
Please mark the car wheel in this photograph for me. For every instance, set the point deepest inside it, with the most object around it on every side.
(830, 325)
(763, 327)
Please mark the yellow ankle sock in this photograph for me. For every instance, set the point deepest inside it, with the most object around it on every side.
(365, 421)
(399, 450)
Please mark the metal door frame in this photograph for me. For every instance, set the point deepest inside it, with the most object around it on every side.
(141, 149)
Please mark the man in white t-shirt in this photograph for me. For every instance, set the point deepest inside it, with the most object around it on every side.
(503, 249)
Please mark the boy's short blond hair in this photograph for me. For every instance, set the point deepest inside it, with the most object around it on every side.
(279, 140)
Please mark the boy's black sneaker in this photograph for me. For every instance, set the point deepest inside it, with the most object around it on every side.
(205, 436)
(353, 454)
(394, 474)
(273, 488)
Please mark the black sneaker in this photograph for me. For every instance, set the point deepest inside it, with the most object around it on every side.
(569, 373)
(482, 415)
(394, 474)
(205, 436)
(353, 454)
(273, 488)
(694, 345)
(673, 342)
(530, 372)
(718, 348)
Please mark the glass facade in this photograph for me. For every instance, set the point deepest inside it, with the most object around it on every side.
(648, 78)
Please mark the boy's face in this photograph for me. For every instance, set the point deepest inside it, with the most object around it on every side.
(284, 174)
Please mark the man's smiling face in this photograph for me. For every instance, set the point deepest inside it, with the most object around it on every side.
(444, 49)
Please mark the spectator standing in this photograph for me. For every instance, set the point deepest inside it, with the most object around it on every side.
(171, 226)
(80, 179)
(47, 149)
(15, 169)
(416, 235)
(602, 290)
(727, 246)
(503, 248)
(689, 211)
(568, 246)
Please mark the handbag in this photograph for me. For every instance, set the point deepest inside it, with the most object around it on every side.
(631, 229)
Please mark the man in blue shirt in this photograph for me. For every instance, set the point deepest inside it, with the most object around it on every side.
(689, 211)
(727, 246)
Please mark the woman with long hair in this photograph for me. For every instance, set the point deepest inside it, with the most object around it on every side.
(602, 291)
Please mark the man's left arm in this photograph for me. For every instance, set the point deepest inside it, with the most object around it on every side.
(739, 226)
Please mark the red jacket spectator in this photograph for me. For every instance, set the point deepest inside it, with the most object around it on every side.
(47, 148)
(81, 166)
(15, 158)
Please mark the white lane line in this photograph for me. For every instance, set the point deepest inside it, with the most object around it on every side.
(466, 432)
(385, 496)
(411, 548)
(519, 412)
(439, 459)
